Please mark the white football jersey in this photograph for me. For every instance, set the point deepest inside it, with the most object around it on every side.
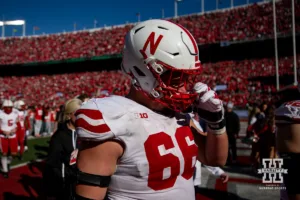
(159, 154)
(8, 122)
(288, 113)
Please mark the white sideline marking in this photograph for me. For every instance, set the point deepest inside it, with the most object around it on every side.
(37, 160)
(23, 164)
(34, 138)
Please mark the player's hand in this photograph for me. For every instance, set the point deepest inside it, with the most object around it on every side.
(210, 108)
(224, 177)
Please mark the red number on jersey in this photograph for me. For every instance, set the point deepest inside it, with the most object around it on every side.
(158, 161)
(10, 122)
(188, 148)
(158, 148)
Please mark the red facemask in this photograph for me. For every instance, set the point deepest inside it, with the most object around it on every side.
(177, 87)
(22, 108)
(7, 110)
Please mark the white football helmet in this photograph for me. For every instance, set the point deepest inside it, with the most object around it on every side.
(162, 59)
(7, 106)
(16, 104)
(7, 103)
(21, 105)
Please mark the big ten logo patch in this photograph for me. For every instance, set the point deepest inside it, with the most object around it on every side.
(141, 115)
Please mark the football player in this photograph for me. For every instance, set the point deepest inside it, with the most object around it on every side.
(38, 121)
(287, 118)
(140, 146)
(24, 127)
(9, 123)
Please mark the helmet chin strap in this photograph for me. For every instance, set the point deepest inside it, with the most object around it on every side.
(137, 86)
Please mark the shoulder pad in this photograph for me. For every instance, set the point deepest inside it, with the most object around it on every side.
(288, 113)
(16, 111)
(98, 118)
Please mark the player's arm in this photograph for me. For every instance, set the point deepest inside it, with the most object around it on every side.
(213, 149)
(98, 160)
(98, 152)
(218, 144)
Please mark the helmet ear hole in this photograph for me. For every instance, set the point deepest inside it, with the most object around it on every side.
(138, 71)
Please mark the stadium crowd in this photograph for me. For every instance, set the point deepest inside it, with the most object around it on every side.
(54, 90)
(238, 75)
(240, 24)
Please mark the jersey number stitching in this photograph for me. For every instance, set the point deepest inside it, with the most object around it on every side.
(158, 161)
(10, 122)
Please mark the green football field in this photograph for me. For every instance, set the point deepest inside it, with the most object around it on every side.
(37, 149)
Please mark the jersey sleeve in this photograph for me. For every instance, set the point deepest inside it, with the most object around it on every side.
(102, 119)
(90, 123)
(288, 113)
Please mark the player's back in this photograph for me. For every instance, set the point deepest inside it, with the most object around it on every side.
(159, 155)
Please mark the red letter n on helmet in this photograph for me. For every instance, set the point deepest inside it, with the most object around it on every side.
(153, 44)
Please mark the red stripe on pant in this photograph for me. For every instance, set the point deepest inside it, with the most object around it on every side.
(21, 139)
(9, 145)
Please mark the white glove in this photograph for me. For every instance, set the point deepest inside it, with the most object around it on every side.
(210, 108)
